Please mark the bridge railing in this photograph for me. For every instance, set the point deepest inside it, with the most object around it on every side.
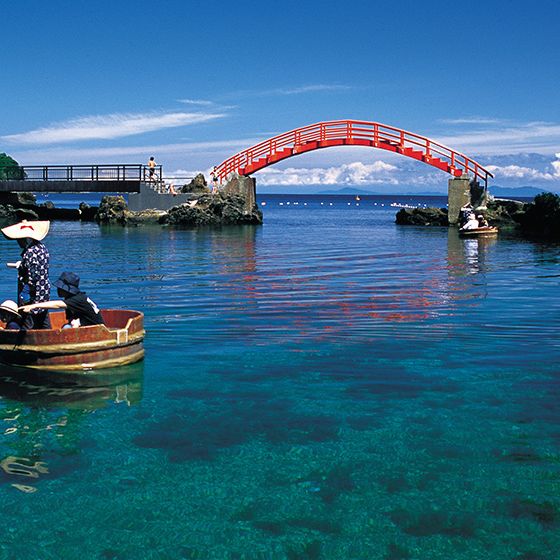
(107, 172)
(352, 131)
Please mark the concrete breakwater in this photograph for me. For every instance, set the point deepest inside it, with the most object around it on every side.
(193, 206)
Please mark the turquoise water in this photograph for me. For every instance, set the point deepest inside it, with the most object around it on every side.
(326, 386)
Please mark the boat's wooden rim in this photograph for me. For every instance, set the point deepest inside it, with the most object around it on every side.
(75, 347)
(86, 366)
(490, 230)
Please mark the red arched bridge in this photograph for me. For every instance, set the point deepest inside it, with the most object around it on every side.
(351, 133)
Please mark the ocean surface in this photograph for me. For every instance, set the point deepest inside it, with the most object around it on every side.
(326, 386)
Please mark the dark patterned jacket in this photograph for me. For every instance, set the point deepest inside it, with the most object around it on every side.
(33, 275)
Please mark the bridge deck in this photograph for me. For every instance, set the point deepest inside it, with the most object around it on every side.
(129, 186)
(124, 178)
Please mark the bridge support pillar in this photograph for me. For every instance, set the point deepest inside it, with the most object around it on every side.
(458, 195)
(245, 187)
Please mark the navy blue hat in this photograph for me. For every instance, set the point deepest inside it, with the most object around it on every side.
(69, 282)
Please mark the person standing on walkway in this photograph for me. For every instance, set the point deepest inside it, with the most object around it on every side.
(33, 270)
(152, 176)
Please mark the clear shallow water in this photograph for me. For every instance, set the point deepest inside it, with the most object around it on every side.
(327, 386)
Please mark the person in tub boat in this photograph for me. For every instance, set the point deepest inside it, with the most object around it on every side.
(81, 311)
(472, 223)
(482, 221)
(9, 315)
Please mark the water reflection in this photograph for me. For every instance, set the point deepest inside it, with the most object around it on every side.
(468, 256)
(42, 419)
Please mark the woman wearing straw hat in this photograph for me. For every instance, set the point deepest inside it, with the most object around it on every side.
(33, 270)
(10, 316)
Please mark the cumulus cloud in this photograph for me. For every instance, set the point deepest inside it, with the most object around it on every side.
(530, 173)
(105, 127)
(356, 173)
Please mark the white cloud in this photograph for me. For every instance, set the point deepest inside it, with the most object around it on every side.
(472, 120)
(534, 137)
(297, 90)
(523, 172)
(202, 152)
(104, 127)
(356, 173)
(309, 89)
(202, 102)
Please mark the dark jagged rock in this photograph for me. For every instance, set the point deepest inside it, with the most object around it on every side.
(504, 213)
(422, 217)
(197, 186)
(112, 210)
(213, 210)
(26, 214)
(18, 199)
(87, 212)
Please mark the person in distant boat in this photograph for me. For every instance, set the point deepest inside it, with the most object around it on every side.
(81, 311)
(33, 269)
(472, 223)
(9, 315)
(482, 221)
(152, 175)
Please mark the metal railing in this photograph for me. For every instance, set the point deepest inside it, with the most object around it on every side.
(351, 132)
(107, 172)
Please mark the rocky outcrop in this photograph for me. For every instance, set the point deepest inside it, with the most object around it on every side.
(197, 186)
(502, 213)
(112, 210)
(422, 217)
(212, 210)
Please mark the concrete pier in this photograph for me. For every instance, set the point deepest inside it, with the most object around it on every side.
(148, 198)
(458, 195)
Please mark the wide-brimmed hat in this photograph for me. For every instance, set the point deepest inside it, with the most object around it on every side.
(10, 307)
(69, 282)
(34, 230)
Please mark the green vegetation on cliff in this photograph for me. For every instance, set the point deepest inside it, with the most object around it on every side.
(9, 168)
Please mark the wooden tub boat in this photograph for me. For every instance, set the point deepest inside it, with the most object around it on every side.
(116, 343)
(478, 232)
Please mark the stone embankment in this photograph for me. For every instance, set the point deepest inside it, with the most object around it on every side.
(234, 204)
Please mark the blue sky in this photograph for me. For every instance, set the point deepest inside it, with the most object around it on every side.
(194, 82)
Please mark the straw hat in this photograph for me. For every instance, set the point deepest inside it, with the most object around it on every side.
(10, 307)
(34, 230)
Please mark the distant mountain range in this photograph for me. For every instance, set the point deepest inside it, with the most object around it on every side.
(513, 192)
